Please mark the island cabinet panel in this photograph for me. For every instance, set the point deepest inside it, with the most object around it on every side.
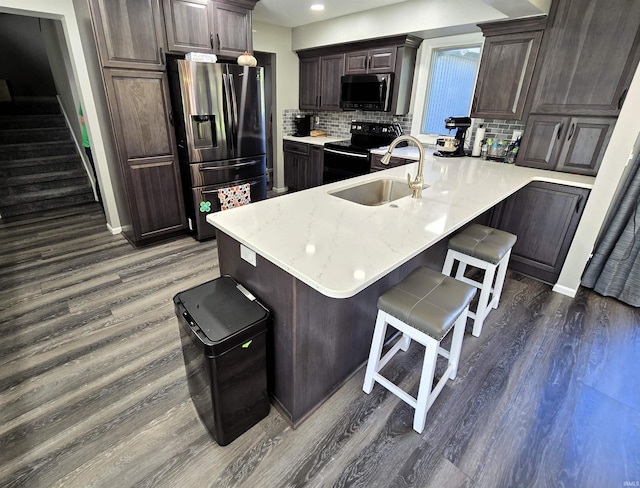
(140, 111)
(129, 33)
(316, 343)
(544, 217)
(590, 54)
(506, 67)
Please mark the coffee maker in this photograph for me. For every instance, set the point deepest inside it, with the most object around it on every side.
(448, 147)
(303, 125)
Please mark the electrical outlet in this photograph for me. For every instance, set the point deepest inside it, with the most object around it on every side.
(248, 255)
(516, 134)
(317, 120)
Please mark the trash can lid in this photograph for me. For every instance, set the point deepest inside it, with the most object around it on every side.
(221, 309)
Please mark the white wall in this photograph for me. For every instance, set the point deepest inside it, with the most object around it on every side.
(274, 39)
(427, 19)
(63, 10)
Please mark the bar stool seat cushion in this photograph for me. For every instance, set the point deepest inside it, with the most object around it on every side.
(483, 242)
(428, 301)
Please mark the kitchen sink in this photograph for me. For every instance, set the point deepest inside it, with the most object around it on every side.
(376, 192)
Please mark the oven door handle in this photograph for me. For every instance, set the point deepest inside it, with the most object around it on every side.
(343, 153)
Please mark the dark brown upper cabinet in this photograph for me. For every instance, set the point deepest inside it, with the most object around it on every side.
(568, 144)
(189, 25)
(321, 69)
(129, 33)
(382, 60)
(590, 54)
(232, 27)
(320, 82)
(506, 67)
(206, 26)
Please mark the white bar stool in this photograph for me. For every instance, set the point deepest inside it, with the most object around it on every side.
(485, 248)
(424, 306)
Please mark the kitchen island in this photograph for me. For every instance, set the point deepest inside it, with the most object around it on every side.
(319, 262)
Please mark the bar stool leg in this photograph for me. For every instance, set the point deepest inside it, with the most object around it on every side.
(456, 343)
(485, 292)
(448, 264)
(376, 351)
(502, 272)
(426, 381)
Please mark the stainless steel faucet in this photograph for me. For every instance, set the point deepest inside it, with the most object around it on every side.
(416, 185)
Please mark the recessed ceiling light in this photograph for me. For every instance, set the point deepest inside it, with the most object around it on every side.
(317, 6)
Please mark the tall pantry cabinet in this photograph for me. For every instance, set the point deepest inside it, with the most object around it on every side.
(131, 46)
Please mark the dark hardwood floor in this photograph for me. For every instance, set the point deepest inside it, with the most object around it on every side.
(93, 391)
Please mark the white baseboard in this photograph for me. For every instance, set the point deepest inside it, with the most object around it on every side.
(565, 290)
(283, 189)
(114, 230)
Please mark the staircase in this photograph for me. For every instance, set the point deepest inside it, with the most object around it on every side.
(40, 168)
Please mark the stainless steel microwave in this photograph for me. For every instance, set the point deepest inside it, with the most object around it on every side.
(366, 92)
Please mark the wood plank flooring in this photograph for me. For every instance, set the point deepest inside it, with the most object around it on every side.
(93, 391)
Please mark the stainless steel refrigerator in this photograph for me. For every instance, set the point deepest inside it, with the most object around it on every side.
(220, 128)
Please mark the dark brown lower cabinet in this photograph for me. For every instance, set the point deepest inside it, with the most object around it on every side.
(145, 140)
(303, 165)
(544, 216)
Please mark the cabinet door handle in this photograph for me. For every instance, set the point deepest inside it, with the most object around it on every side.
(320, 101)
(211, 40)
(578, 203)
(559, 131)
(162, 58)
(622, 98)
(573, 127)
(171, 118)
(218, 38)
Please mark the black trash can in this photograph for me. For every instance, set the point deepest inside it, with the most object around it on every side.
(223, 330)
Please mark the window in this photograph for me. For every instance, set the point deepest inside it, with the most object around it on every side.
(451, 81)
(445, 80)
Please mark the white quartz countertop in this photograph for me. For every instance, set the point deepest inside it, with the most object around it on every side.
(318, 141)
(339, 247)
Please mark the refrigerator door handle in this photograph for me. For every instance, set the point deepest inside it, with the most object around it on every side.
(234, 108)
(229, 121)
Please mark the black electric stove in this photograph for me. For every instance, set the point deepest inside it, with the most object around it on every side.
(349, 158)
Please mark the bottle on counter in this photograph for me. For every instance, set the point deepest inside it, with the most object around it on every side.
(512, 153)
(483, 149)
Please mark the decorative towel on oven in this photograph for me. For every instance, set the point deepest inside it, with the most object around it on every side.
(234, 196)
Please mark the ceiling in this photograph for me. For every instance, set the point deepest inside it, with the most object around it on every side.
(293, 13)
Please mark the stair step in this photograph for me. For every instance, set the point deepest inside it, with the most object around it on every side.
(33, 166)
(37, 106)
(49, 204)
(25, 136)
(43, 181)
(35, 150)
(43, 195)
(40, 172)
(31, 121)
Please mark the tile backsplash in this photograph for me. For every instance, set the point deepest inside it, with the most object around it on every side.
(337, 124)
